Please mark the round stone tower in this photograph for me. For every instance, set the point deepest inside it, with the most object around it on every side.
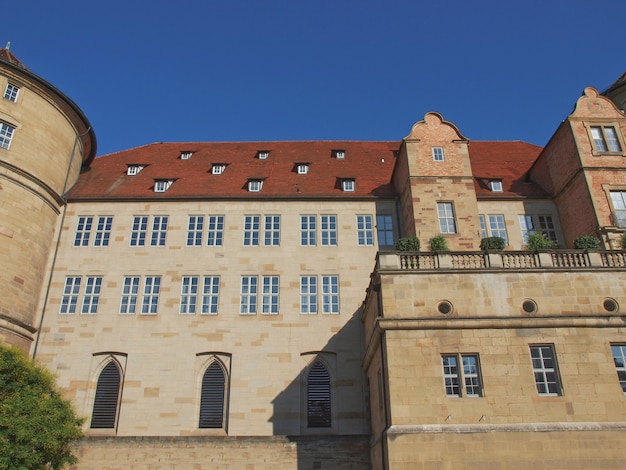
(44, 140)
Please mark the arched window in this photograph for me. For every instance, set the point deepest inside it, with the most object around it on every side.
(212, 397)
(106, 403)
(318, 397)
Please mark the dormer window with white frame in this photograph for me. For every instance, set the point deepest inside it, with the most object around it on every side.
(303, 168)
(134, 170)
(255, 185)
(495, 186)
(263, 154)
(348, 184)
(339, 154)
(160, 186)
(185, 155)
(218, 168)
(438, 154)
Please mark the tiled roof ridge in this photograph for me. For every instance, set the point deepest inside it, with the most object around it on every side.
(7, 56)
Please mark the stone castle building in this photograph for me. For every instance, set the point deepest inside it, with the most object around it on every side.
(242, 305)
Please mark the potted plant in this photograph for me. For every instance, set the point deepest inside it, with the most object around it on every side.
(438, 243)
(538, 241)
(408, 244)
(586, 242)
(492, 243)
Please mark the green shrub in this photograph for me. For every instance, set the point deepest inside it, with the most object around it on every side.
(538, 241)
(586, 242)
(438, 243)
(408, 244)
(492, 243)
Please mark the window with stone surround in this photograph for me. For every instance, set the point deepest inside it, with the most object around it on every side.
(249, 291)
(103, 231)
(213, 397)
(107, 398)
(618, 201)
(318, 403)
(150, 298)
(270, 295)
(438, 154)
(11, 92)
(545, 370)
(619, 358)
(308, 294)
(72, 291)
(605, 139)
(83, 230)
(445, 213)
(308, 230)
(215, 230)
(328, 230)
(6, 135)
(195, 229)
(461, 375)
(365, 230)
(330, 294)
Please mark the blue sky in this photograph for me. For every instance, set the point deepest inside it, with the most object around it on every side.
(163, 71)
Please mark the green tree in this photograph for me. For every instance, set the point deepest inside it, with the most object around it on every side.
(37, 425)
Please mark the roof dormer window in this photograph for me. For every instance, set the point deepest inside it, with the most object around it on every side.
(218, 168)
(263, 154)
(134, 170)
(496, 186)
(347, 184)
(185, 155)
(303, 168)
(255, 185)
(160, 186)
(339, 154)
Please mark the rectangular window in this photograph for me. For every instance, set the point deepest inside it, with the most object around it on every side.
(210, 295)
(462, 381)
(445, 212)
(159, 230)
(251, 229)
(6, 134)
(93, 286)
(545, 370)
(308, 229)
(497, 227)
(618, 199)
(130, 292)
(438, 154)
(272, 230)
(330, 294)
(619, 358)
(303, 168)
(496, 186)
(546, 226)
(215, 230)
(103, 231)
(605, 139)
(347, 185)
(329, 230)
(365, 230)
(308, 294)
(188, 295)
(254, 186)
(11, 92)
(483, 226)
(249, 286)
(70, 294)
(151, 290)
(384, 230)
(83, 230)
(269, 296)
(527, 226)
(138, 233)
(194, 230)
(162, 185)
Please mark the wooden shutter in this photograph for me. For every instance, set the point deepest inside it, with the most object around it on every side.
(107, 397)
(212, 397)
(318, 397)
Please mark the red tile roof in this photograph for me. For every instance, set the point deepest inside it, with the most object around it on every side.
(508, 161)
(7, 56)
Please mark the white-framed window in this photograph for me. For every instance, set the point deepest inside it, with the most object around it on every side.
(270, 295)
(438, 155)
(263, 154)
(618, 200)
(215, 230)
(365, 230)
(159, 230)
(251, 230)
(130, 293)
(69, 300)
(133, 170)
(330, 294)
(495, 186)
(328, 230)
(160, 186)
(188, 295)
(151, 290)
(461, 375)
(537, 224)
(186, 155)
(103, 230)
(83, 230)
(384, 230)
(483, 226)
(340, 154)
(347, 185)
(527, 226)
(218, 168)
(210, 295)
(308, 230)
(195, 229)
(308, 294)
(249, 292)
(619, 358)
(272, 230)
(605, 139)
(545, 370)
(497, 227)
(139, 230)
(11, 92)
(254, 186)
(6, 135)
(445, 212)
(91, 298)
(303, 168)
